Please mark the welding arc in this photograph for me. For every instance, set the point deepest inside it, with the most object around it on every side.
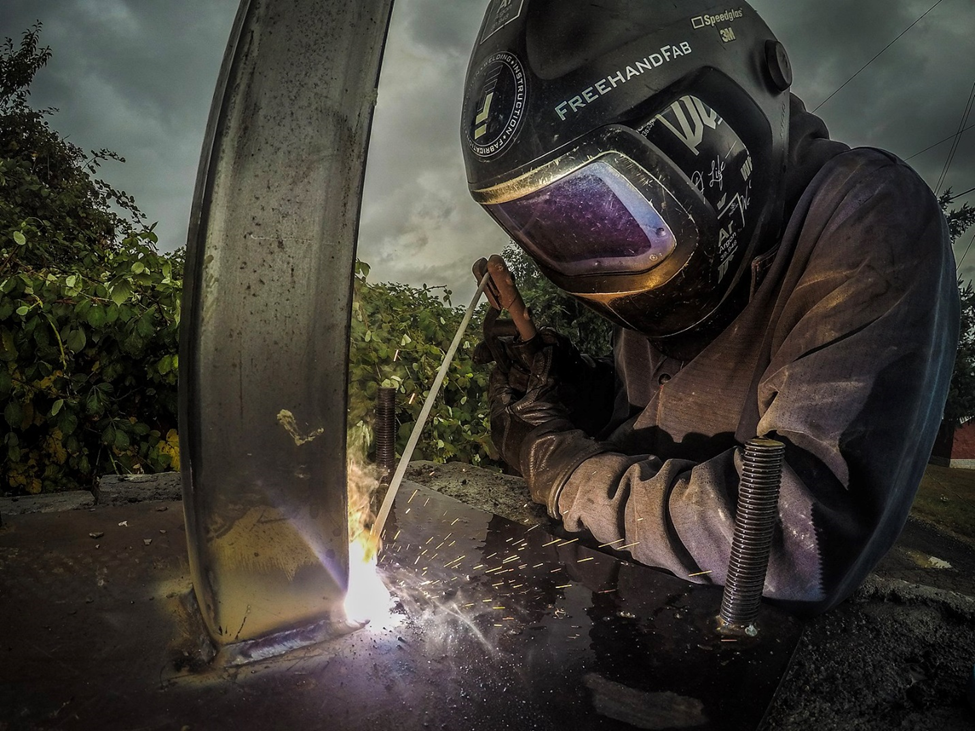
(377, 527)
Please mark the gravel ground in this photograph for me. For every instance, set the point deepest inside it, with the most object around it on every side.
(897, 655)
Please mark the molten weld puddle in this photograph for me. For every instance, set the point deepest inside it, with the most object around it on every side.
(368, 599)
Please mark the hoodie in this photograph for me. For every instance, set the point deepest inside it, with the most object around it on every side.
(843, 352)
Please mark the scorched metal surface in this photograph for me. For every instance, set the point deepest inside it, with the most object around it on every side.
(495, 625)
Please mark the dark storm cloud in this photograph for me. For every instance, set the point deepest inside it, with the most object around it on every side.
(137, 76)
(910, 97)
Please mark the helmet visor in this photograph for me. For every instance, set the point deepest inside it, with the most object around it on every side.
(594, 220)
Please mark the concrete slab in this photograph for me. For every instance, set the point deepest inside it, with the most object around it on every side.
(123, 489)
(50, 503)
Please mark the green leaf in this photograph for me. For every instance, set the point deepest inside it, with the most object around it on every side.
(96, 316)
(56, 407)
(13, 414)
(138, 267)
(145, 325)
(121, 291)
(76, 341)
(67, 422)
(23, 310)
(121, 439)
(19, 238)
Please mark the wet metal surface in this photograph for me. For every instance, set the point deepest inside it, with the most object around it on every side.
(494, 626)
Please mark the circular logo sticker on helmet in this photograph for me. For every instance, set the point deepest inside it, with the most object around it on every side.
(496, 104)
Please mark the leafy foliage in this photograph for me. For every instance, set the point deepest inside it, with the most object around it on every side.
(551, 307)
(961, 393)
(400, 335)
(89, 310)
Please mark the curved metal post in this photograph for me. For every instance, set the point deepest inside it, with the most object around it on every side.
(266, 304)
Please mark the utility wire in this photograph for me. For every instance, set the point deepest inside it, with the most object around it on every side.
(954, 145)
(936, 144)
(878, 55)
(966, 253)
(959, 195)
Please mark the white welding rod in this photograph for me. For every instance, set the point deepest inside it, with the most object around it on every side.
(377, 527)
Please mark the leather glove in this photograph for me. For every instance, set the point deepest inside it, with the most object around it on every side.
(533, 431)
(584, 385)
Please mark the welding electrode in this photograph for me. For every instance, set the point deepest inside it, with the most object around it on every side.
(377, 527)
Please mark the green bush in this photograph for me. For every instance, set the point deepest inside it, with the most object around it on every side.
(399, 337)
(89, 310)
(88, 369)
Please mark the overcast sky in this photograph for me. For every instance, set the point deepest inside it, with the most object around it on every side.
(137, 76)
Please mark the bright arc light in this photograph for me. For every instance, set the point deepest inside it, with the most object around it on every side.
(368, 599)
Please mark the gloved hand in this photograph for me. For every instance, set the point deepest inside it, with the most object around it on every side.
(583, 385)
(533, 431)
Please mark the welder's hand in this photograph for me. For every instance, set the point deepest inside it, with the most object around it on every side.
(533, 431)
(584, 385)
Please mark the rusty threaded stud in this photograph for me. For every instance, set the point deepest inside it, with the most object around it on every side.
(758, 502)
(386, 433)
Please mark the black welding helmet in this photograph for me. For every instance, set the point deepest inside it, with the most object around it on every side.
(633, 148)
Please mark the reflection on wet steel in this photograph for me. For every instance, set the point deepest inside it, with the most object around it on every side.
(492, 625)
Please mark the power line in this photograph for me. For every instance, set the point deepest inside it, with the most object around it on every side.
(954, 145)
(936, 144)
(959, 195)
(966, 253)
(878, 55)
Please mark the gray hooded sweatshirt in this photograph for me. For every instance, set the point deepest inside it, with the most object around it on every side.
(844, 352)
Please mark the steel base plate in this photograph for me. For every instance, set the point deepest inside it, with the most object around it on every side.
(493, 625)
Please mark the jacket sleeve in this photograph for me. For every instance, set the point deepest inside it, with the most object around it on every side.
(859, 353)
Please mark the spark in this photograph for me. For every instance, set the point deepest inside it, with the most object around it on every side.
(568, 542)
(699, 573)
(531, 529)
(611, 543)
(455, 520)
(479, 566)
(413, 496)
(551, 543)
(629, 545)
(563, 586)
(583, 560)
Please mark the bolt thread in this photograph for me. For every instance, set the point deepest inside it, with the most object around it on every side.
(758, 501)
(386, 433)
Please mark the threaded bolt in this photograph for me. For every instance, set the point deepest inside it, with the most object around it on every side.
(386, 433)
(758, 503)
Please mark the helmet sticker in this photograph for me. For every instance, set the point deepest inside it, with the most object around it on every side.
(499, 14)
(498, 104)
(716, 161)
(688, 117)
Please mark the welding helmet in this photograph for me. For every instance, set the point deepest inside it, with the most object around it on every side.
(633, 148)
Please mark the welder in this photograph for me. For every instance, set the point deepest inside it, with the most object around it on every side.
(762, 279)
